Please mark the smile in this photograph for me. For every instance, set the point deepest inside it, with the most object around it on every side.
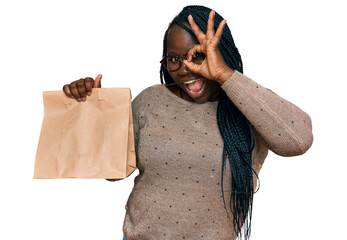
(195, 87)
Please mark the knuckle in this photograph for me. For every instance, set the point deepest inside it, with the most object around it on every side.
(89, 81)
(72, 85)
(80, 83)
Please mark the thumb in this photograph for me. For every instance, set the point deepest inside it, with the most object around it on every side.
(97, 82)
(194, 68)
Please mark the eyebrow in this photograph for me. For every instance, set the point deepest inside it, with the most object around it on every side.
(171, 53)
(175, 53)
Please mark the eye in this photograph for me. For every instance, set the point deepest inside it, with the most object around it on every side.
(198, 57)
(173, 59)
(195, 55)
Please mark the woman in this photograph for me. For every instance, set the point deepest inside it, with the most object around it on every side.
(202, 137)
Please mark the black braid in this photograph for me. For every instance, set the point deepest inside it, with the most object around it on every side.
(234, 128)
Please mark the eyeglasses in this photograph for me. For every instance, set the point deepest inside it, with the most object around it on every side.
(173, 63)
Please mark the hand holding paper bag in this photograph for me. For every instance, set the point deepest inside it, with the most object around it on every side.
(82, 88)
(92, 139)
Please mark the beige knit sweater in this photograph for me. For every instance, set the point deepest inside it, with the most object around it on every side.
(177, 194)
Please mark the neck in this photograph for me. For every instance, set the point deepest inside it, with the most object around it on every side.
(185, 96)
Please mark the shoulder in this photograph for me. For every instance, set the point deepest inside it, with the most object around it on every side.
(149, 95)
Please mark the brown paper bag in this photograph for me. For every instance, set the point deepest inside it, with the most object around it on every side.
(92, 139)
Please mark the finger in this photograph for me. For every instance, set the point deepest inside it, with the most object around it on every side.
(81, 89)
(219, 32)
(97, 83)
(210, 25)
(193, 50)
(192, 67)
(67, 91)
(89, 82)
(74, 91)
(200, 35)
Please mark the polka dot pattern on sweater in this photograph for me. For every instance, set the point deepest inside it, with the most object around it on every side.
(168, 136)
(179, 152)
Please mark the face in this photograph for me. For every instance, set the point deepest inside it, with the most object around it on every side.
(179, 42)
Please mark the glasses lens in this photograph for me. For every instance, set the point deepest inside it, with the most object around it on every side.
(198, 58)
(173, 63)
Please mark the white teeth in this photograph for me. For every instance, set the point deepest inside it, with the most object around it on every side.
(191, 81)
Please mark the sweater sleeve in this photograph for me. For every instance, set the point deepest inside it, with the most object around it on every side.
(285, 128)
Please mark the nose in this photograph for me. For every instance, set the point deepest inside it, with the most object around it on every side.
(183, 70)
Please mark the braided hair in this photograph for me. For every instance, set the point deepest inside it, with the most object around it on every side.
(234, 128)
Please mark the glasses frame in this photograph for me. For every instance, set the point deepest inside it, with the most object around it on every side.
(180, 61)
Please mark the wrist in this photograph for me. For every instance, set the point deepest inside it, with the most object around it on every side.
(225, 76)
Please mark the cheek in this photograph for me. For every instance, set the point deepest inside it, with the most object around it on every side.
(173, 75)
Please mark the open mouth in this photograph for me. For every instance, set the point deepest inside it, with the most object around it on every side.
(195, 87)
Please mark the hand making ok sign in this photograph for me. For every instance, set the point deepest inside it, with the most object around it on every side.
(213, 67)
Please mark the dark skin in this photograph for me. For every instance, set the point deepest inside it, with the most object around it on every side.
(179, 42)
(213, 69)
(82, 88)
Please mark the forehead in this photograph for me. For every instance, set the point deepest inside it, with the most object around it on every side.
(179, 41)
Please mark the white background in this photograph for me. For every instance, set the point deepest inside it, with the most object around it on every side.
(296, 48)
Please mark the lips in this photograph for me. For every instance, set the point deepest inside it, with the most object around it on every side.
(195, 87)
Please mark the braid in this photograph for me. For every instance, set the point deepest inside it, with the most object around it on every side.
(234, 128)
(163, 71)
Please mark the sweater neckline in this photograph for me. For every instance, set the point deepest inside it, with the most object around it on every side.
(183, 101)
